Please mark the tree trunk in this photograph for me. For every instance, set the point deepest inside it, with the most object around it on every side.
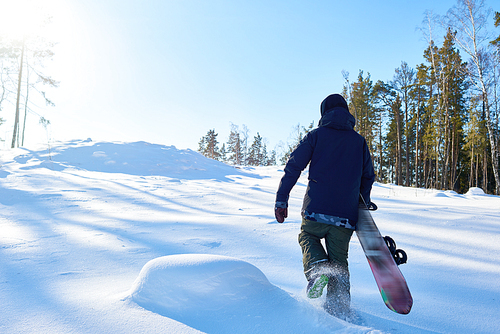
(471, 174)
(398, 149)
(477, 171)
(407, 143)
(380, 150)
(15, 134)
(416, 147)
(494, 147)
(454, 161)
(485, 170)
(25, 104)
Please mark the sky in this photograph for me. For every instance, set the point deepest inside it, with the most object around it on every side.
(167, 72)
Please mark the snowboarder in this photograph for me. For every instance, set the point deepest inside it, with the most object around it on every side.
(340, 168)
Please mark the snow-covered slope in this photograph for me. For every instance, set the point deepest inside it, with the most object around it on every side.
(136, 237)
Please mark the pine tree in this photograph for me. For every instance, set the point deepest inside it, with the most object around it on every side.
(404, 80)
(388, 101)
(244, 142)
(475, 144)
(208, 145)
(454, 91)
(362, 106)
(420, 96)
(496, 41)
(257, 153)
(271, 161)
(440, 88)
(264, 159)
(235, 147)
(223, 153)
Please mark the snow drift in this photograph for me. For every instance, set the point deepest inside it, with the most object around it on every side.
(220, 294)
(138, 158)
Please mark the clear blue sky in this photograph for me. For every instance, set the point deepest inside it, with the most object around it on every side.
(168, 71)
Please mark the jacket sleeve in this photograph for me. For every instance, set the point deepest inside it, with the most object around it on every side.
(298, 161)
(368, 174)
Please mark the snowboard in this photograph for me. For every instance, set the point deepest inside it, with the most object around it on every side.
(390, 281)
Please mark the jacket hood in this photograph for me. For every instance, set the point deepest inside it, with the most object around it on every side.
(332, 101)
(338, 118)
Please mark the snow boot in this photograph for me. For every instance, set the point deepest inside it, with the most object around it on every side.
(316, 285)
(338, 297)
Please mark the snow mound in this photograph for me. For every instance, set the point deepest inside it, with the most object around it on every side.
(137, 158)
(474, 191)
(220, 294)
(439, 194)
(197, 281)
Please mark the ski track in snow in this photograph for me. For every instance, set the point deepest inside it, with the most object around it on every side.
(93, 234)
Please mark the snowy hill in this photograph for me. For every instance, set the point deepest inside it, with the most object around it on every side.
(143, 238)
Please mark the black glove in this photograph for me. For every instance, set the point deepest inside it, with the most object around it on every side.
(371, 206)
(281, 214)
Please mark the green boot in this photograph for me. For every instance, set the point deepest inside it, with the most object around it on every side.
(316, 285)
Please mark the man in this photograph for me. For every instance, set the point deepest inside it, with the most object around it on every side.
(340, 169)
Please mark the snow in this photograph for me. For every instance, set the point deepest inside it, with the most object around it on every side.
(110, 237)
(475, 191)
(233, 294)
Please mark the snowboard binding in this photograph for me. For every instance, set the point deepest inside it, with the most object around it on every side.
(398, 255)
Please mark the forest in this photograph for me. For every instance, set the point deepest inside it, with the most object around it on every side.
(435, 125)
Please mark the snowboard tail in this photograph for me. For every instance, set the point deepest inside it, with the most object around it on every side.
(389, 278)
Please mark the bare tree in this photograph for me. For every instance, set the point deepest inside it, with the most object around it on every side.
(3, 89)
(469, 18)
(23, 57)
(15, 134)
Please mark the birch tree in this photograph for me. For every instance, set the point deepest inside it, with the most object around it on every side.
(468, 19)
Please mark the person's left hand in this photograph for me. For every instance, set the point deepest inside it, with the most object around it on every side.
(281, 214)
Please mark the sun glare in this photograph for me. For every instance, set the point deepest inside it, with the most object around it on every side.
(24, 18)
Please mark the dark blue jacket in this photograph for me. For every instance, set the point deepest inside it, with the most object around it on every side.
(340, 167)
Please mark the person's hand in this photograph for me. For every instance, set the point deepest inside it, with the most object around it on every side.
(281, 214)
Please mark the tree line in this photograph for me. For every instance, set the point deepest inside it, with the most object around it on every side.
(237, 150)
(435, 125)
